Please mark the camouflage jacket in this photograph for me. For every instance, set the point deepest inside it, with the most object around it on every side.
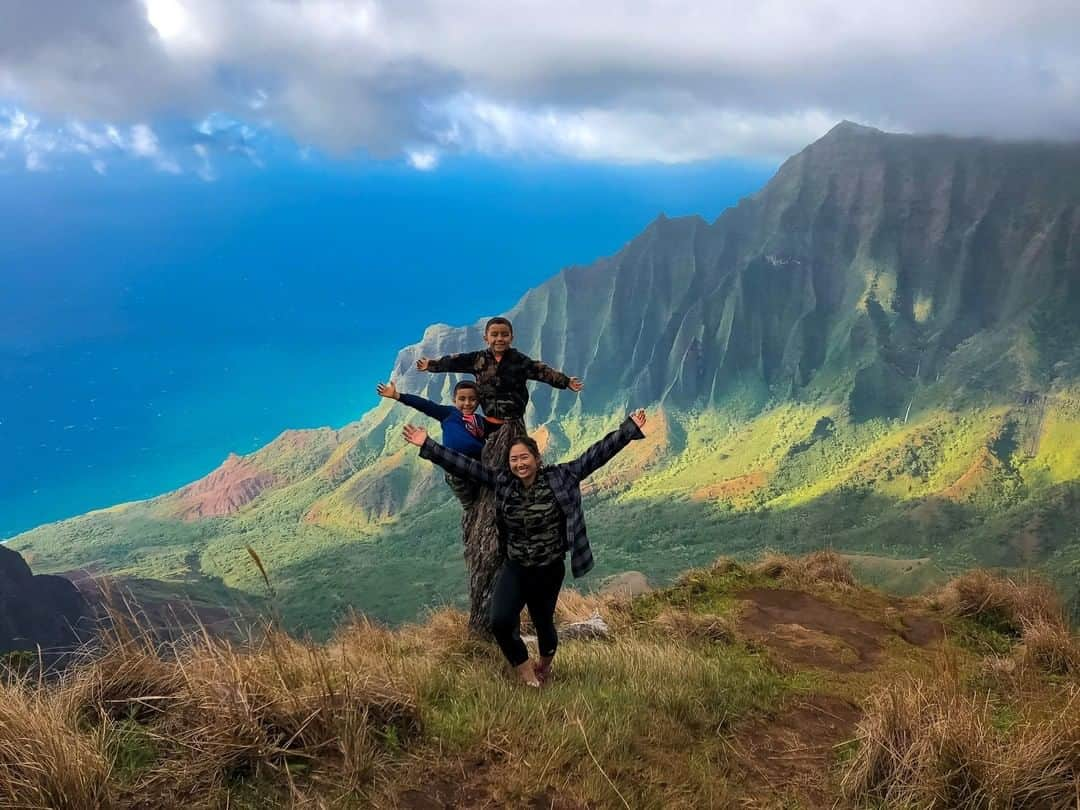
(564, 480)
(503, 393)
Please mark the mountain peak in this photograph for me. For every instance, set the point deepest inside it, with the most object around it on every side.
(849, 129)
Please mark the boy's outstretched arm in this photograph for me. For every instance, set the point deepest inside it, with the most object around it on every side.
(606, 449)
(462, 363)
(451, 461)
(425, 406)
(542, 372)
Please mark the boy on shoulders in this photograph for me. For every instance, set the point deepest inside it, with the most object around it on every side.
(462, 428)
(501, 373)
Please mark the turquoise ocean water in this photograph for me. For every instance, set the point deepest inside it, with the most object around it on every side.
(150, 324)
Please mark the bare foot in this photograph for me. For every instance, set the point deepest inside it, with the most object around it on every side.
(527, 672)
(543, 668)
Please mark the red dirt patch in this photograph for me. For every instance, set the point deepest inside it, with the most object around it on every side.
(793, 753)
(731, 488)
(233, 485)
(979, 474)
(806, 630)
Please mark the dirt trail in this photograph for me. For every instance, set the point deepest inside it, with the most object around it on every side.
(802, 629)
(791, 754)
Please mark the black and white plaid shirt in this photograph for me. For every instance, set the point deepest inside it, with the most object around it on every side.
(564, 480)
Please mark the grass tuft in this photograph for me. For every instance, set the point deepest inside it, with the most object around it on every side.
(44, 759)
(1050, 648)
(818, 567)
(1000, 603)
(929, 744)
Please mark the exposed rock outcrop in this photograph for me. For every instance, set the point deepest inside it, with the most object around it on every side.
(36, 611)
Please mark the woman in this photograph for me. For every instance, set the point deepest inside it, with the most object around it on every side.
(539, 516)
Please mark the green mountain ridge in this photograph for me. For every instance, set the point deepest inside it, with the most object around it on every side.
(879, 351)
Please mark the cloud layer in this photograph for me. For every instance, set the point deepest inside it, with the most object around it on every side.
(653, 80)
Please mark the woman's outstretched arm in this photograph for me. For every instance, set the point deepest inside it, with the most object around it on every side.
(608, 447)
(453, 462)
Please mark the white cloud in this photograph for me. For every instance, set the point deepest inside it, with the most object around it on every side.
(18, 125)
(76, 137)
(144, 142)
(423, 159)
(205, 171)
(167, 17)
(479, 125)
(650, 81)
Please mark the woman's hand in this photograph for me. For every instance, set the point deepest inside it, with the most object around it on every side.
(414, 435)
(576, 384)
(422, 364)
(639, 417)
(388, 390)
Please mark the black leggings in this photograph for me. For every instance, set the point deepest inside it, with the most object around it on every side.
(518, 586)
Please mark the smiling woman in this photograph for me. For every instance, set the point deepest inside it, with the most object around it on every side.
(539, 517)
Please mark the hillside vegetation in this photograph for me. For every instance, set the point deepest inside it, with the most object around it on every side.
(780, 684)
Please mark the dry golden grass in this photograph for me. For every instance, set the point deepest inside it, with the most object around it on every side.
(285, 703)
(684, 624)
(126, 681)
(44, 760)
(1001, 603)
(574, 606)
(347, 723)
(645, 719)
(1050, 648)
(210, 712)
(824, 567)
(930, 744)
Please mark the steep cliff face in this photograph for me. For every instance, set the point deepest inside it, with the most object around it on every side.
(35, 610)
(859, 269)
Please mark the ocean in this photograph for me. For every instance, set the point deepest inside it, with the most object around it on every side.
(151, 324)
